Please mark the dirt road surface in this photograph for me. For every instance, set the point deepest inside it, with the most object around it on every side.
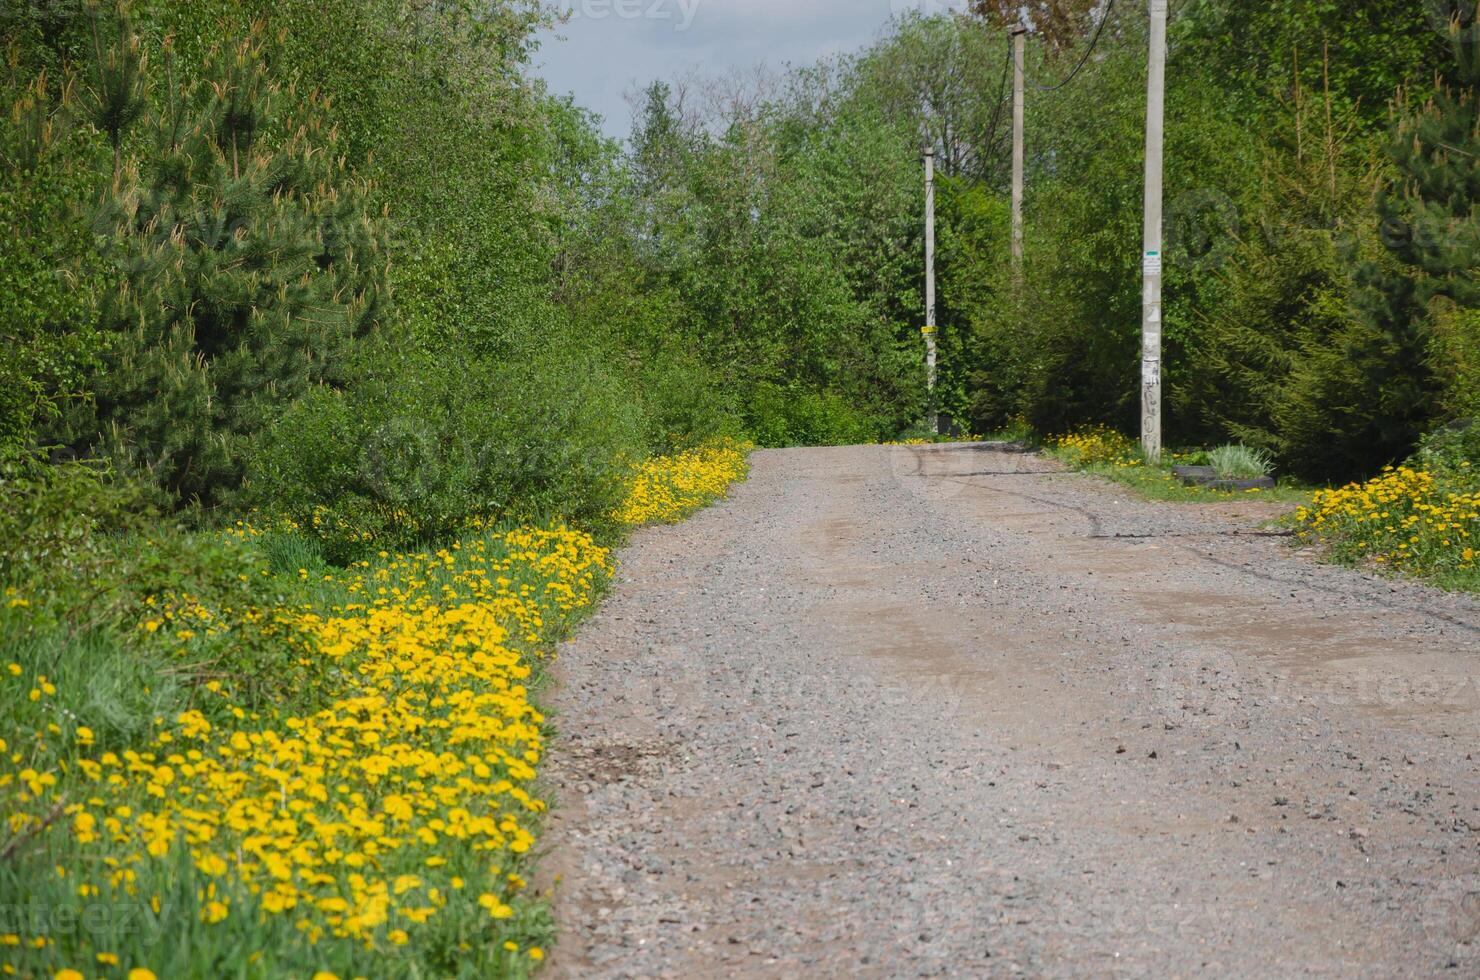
(939, 711)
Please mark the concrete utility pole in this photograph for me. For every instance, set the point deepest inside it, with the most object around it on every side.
(932, 418)
(1019, 42)
(1152, 259)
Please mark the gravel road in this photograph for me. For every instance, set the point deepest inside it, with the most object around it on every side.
(942, 711)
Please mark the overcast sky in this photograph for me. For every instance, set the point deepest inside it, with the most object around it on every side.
(610, 46)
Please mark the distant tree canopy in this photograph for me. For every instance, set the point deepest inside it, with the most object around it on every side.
(1058, 24)
(352, 249)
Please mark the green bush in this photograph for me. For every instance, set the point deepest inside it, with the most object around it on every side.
(417, 446)
(1452, 453)
(1455, 357)
(58, 557)
(683, 402)
(793, 416)
(50, 278)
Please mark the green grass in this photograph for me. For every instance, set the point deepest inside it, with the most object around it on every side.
(1102, 452)
(1466, 581)
(104, 684)
(1158, 483)
(1239, 462)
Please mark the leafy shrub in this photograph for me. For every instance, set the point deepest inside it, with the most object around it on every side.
(417, 446)
(683, 403)
(58, 557)
(794, 416)
(1453, 451)
(49, 274)
(1455, 355)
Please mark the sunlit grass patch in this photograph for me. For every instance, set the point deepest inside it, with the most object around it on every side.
(1104, 452)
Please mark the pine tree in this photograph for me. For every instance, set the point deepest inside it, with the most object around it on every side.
(1430, 219)
(1431, 228)
(1261, 370)
(249, 266)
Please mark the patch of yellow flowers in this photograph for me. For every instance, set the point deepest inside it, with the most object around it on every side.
(402, 812)
(406, 799)
(669, 488)
(1097, 444)
(1405, 519)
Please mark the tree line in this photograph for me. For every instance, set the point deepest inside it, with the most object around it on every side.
(353, 258)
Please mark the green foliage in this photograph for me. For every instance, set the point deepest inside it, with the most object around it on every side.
(939, 80)
(49, 277)
(117, 94)
(1288, 323)
(417, 447)
(799, 417)
(1431, 231)
(1062, 347)
(683, 402)
(248, 264)
(780, 293)
(55, 550)
(435, 113)
(1322, 347)
(1239, 462)
(1271, 365)
(1428, 216)
(1453, 452)
(1455, 359)
(1263, 52)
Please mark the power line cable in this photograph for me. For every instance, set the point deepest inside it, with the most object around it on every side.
(1109, 9)
(1001, 93)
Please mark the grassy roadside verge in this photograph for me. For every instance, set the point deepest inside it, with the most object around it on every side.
(1106, 453)
(1420, 520)
(1158, 483)
(255, 764)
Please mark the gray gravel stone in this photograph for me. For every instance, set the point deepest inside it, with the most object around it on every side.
(942, 711)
